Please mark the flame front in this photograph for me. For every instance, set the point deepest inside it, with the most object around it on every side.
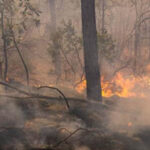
(120, 86)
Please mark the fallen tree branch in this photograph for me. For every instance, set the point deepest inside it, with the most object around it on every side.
(33, 95)
(61, 93)
(15, 88)
(60, 142)
(8, 128)
(68, 137)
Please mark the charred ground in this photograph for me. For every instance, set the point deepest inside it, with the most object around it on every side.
(39, 123)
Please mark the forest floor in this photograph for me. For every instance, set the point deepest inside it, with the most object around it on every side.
(36, 124)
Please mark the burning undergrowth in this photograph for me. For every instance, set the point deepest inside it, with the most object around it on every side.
(33, 120)
(122, 85)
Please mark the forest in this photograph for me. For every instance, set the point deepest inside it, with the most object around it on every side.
(74, 74)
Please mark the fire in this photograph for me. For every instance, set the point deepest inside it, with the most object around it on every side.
(7, 79)
(125, 86)
(120, 86)
(130, 124)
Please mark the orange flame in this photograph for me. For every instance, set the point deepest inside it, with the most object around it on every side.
(119, 85)
(7, 79)
(130, 124)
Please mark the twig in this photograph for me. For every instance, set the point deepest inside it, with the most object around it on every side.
(73, 133)
(65, 130)
(65, 139)
(20, 55)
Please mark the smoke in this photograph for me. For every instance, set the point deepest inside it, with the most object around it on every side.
(43, 120)
(47, 123)
(10, 115)
(130, 116)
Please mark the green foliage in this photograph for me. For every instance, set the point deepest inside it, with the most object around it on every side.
(106, 46)
(65, 39)
(68, 41)
(16, 17)
(71, 40)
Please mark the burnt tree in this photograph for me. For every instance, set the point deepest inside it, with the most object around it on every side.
(92, 71)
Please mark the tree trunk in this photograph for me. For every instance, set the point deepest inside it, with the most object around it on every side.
(136, 49)
(57, 62)
(1, 70)
(103, 16)
(90, 50)
(4, 46)
(52, 7)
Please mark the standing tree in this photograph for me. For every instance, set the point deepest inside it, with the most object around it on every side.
(53, 34)
(90, 50)
(14, 17)
(103, 16)
(52, 6)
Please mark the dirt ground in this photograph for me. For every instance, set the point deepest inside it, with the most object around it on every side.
(34, 124)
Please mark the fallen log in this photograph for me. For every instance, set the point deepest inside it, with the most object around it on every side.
(34, 95)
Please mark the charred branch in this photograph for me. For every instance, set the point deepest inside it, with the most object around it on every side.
(33, 95)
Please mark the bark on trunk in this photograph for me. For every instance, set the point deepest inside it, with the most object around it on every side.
(136, 50)
(90, 50)
(103, 16)
(57, 63)
(4, 46)
(52, 7)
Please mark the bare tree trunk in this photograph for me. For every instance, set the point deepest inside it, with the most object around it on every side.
(57, 63)
(52, 7)
(90, 50)
(136, 47)
(4, 46)
(149, 39)
(103, 16)
(1, 70)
